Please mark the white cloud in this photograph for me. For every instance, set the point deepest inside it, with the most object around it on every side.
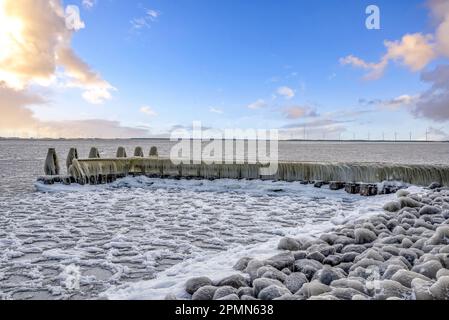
(286, 92)
(215, 110)
(148, 111)
(146, 20)
(89, 4)
(297, 112)
(257, 104)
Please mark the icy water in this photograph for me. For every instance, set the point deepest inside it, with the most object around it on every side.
(141, 238)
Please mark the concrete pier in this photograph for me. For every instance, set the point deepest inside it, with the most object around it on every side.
(355, 178)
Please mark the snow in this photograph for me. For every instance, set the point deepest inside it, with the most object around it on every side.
(142, 238)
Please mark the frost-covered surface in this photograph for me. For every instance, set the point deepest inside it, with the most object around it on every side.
(108, 241)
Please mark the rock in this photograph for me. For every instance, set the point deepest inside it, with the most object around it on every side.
(442, 273)
(384, 289)
(275, 274)
(393, 206)
(408, 202)
(402, 193)
(370, 254)
(295, 281)
(281, 261)
(409, 255)
(359, 297)
(242, 263)
(235, 281)
(308, 267)
(441, 236)
(434, 185)
(349, 256)
(316, 256)
(288, 297)
(440, 289)
(345, 293)
(247, 298)
(230, 297)
(348, 283)
(406, 243)
(313, 288)
(326, 275)
(429, 210)
(391, 270)
(248, 291)
(204, 293)
(262, 283)
(335, 185)
(195, 283)
(323, 297)
(289, 244)
(299, 255)
(287, 271)
(365, 263)
(252, 268)
(405, 277)
(332, 260)
(421, 289)
(272, 292)
(363, 235)
(428, 269)
(224, 291)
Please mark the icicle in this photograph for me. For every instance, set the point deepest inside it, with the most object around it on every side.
(138, 152)
(121, 152)
(94, 154)
(73, 154)
(51, 167)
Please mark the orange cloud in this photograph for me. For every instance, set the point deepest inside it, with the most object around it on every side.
(35, 40)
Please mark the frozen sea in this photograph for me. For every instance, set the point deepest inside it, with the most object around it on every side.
(142, 238)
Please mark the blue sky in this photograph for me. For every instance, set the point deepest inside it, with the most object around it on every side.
(216, 61)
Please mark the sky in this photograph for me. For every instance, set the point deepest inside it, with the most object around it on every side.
(310, 68)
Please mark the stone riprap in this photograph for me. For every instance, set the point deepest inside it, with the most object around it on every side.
(402, 253)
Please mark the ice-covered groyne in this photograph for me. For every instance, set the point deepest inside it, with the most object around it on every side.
(354, 177)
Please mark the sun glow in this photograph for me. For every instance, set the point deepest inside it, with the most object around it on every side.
(11, 40)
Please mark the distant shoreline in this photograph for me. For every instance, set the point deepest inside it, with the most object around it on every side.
(168, 139)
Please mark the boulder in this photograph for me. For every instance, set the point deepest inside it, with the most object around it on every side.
(235, 281)
(421, 289)
(384, 289)
(230, 297)
(193, 284)
(262, 283)
(429, 210)
(428, 269)
(272, 292)
(242, 263)
(289, 244)
(405, 277)
(441, 236)
(313, 288)
(408, 202)
(204, 293)
(224, 291)
(327, 274)
(281, 261)
(440, 289)
(392, 206)
(363, 235)
(307, 267)
(295, 281)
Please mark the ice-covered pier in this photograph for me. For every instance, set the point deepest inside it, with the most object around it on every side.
(364, 178)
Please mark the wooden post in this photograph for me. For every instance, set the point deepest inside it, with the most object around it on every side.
(121, 152)
(138, 152)
(153, 152)
(94, 154)
(51, 167)
(73, 154)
